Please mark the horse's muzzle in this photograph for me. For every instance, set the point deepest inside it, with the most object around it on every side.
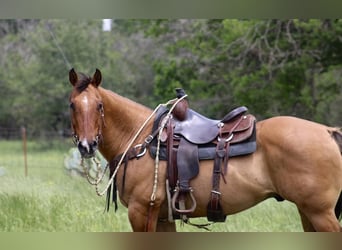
(87, 149)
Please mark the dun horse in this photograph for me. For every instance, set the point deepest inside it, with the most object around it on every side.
(295, 159)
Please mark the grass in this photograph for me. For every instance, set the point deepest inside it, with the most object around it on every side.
(50, 200)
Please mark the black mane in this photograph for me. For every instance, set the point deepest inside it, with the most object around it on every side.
(83, 82)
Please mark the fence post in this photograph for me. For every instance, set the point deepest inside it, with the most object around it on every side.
(23, 135)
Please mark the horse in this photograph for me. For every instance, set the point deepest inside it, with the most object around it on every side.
(297, 160)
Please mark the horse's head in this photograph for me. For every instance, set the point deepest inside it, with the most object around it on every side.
(86, 110)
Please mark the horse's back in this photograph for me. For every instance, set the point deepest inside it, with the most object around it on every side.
(296, 132)
(291, 122)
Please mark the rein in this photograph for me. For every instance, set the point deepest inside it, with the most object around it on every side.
(131, 153)
(94, 181)
(129, 148)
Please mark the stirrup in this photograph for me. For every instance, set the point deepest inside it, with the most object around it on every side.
(180, 210)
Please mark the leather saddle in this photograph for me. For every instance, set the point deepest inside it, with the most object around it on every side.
(203, 132)
(199, 129)
(190, 137)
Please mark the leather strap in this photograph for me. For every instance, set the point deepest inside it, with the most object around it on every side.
(171, 156)
(214, 209)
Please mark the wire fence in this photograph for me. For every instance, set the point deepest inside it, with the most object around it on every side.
(26, 154)
(10, 133)
(15, 133)
(44, 155)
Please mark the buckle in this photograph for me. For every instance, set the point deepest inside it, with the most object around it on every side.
(226, 139)
(148, 139)
(142, 152)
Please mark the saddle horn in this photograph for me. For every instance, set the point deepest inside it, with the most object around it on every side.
(181, 108)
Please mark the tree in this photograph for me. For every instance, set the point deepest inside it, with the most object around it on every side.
(37, 66)
(15, 55)
(36, 61)
(272, 66)
(275, 67)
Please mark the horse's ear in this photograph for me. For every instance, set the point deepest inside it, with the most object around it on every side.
(97, 78)
(73, 77)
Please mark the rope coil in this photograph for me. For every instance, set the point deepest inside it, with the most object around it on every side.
(96, 181)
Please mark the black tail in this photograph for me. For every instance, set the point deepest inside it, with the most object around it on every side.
(337, 135)
(338, 207)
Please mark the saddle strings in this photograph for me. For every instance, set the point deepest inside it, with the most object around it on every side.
(174, 102)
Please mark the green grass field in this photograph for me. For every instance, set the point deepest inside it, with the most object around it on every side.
(50, 200)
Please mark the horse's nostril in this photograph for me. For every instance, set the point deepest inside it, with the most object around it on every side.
(83, 149)
(87, 149)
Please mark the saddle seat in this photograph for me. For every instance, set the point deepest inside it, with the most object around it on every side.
(199, 129)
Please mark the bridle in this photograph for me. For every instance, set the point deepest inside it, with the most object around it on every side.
(98, 137)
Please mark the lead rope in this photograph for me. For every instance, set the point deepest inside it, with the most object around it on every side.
(124, 154)
(156, 162)
(186, 220)
(94, 180)
(174, 102)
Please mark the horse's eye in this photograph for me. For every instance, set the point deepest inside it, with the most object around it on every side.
(72, 106)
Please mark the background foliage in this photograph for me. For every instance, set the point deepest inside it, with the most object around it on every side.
(275, 67)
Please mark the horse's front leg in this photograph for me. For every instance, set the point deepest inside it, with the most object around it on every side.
(143, 218)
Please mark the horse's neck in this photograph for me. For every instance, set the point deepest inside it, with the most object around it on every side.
(123, 118)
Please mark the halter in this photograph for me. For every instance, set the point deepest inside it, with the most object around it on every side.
(75, 137)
